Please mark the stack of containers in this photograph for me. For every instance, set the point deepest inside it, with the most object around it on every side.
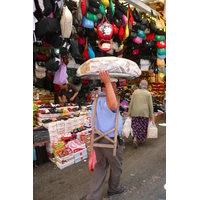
(52, 128)
(60, 125)
(68, 125)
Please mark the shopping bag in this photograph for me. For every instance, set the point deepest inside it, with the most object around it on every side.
(152, 130)
(126, 129)
(92, 161)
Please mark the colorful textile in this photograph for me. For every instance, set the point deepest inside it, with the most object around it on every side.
(139, 126)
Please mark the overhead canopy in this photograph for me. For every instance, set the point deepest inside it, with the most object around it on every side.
(142, 7)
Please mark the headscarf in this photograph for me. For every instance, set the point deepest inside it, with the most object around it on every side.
(143, 84)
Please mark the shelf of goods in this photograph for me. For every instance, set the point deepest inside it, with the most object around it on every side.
(69, 135)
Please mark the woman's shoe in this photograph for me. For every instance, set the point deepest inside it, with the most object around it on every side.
(135, 145)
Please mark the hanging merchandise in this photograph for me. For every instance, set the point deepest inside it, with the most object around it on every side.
(105, 2)
(112, 7)
(91, 53)
(160, 62)
(159, 37)
(115, 29)
(40, 72)
(74, 48)
(160, 24)
(48, 7)
(137, 16)
(79, 13)
(93, 10)
(137, 40)
(47, 26)
(87, 23)
(94, 3)
(149, 43)
(121, 33)
(41, 56)
(105, 45)
(102, 9)
(53, 63)
(109, 14)
(161, 44)
(90, 16)
(66, 22)
(150, 36)
(161, 51)
(132, 34)
(141, 33)
(105, 29)
(81, 31)
(85, 52)
(142, 27)
(120, 7)
(83, 7)
(161, 56)
(136, 52)
(130, 20)
(81, 40)
(60, 74)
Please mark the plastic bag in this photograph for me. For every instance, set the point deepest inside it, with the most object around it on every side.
(92, 161)
(126, 129)
(152, 130)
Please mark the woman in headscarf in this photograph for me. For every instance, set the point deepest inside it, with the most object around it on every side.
(141, 111)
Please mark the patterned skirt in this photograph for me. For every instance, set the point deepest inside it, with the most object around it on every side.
(139, 126)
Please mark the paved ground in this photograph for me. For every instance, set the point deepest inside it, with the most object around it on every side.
(144, 174)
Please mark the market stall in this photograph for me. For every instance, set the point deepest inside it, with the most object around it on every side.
(68, 35)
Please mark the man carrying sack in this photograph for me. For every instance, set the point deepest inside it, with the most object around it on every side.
(106, 110)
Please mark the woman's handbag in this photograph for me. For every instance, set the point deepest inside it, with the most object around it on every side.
(137, 40)
(66, 22)
(159, 37)
(91, 53)
(135, 52)
(105, 29)
(161, 51)
(141, 33)
(161, 56)
(91, 16)
(105, 45)
(40, 72)
(87, 23)
(150, 36)
(160, 24)
(102, 9)
(115, 29)
(160, 62)
(161, 44)
(152, 130)
(121, 33)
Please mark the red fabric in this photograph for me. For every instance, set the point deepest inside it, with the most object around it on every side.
(85, 53)
(100, 32)
(161, 44)
(83, 7)
(121, 33)
(56, 88)
(41, 57)
(92, 161)
(130, 16)
(115, 29)
(150, 36)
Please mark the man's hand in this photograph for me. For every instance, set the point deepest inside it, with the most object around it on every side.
(104, 75)
(71, 99)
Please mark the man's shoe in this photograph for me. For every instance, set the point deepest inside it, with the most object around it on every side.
(120, 191)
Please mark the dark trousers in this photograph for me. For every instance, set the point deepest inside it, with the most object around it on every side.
(105, 158)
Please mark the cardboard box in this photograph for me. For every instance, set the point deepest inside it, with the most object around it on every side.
(67, 164)
(65, 158)
(81, 155)
(159, 117)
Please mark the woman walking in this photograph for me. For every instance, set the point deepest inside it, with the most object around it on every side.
(141, 111)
